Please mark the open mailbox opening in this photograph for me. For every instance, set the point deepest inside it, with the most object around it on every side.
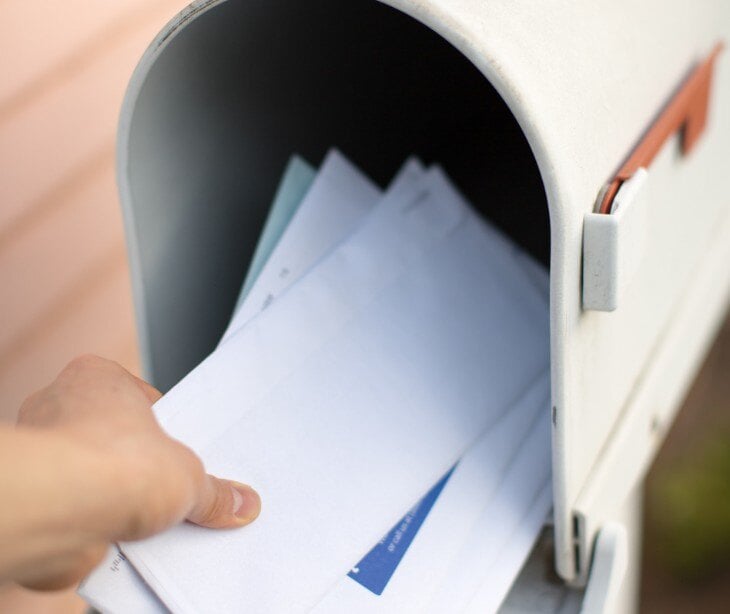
(238, 86)
(232, 88)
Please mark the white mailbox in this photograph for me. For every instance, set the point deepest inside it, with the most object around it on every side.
(533, 108)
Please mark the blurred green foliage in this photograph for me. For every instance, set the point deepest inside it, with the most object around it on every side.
(690, 503)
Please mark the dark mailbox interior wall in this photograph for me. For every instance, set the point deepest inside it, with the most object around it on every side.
(250, 82)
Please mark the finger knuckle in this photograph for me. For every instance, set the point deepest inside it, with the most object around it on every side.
(218, 510)
(83, 361)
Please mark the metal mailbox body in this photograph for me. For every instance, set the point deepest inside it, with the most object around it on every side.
(582, 80)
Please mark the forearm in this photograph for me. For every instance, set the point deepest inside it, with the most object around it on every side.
(58, 496)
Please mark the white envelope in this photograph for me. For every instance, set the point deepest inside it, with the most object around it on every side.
(333, 207)
(114, 586)
(505, 531)
(470, 492)
(500, 577)
(427, 329)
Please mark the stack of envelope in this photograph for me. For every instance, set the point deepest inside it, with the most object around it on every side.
(384, 385)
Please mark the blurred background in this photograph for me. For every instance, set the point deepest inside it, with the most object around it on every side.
(65, 287)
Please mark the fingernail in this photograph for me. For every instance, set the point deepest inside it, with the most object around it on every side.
(246, 502)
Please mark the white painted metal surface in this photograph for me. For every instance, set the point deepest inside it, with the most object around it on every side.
(583, 80)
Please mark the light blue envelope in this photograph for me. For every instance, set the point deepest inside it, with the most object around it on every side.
(295, 183)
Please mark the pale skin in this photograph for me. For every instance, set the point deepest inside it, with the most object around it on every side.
(88, 465)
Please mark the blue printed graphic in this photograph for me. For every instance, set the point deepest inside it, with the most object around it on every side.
(376, 569)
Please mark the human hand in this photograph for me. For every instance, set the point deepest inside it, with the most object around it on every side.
(107, 472)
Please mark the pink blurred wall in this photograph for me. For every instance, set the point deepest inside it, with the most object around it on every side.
(64, 286)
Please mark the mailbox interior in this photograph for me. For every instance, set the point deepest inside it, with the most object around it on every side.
(226, 96)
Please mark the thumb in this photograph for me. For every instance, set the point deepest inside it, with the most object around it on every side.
(224, 504)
